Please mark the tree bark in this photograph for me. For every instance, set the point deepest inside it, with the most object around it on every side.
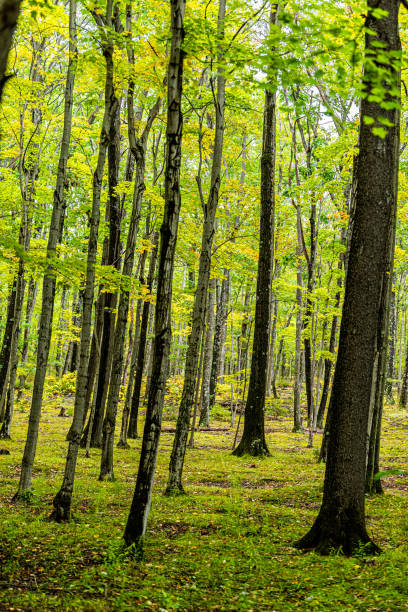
(138, 148)
(253, 438)
(134, 411)
(49, 282)
(340, 524)
(205, 386)
(63, 499)
(193, 350)
(9, 12)
(141, 502)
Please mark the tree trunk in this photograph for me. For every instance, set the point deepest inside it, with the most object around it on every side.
(132, 430)
(31, 298)
(49, 282)
(193, 349)
(297, 383)
(340, 524)
(141, 503)
(138, 147)
(133, 360)
(63, 499)
(9, 12)
(253, 438)
(220, 320)
(391, 351)
(205, 386)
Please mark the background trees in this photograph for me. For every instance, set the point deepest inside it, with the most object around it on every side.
(121, 58)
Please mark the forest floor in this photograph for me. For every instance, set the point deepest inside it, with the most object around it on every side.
(226, 545)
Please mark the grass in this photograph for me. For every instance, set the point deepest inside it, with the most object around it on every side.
(226, 545)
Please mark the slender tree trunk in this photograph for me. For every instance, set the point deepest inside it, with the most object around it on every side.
(141, 503)
(193, 349)
(31, 298)
(63, 499)
(133, 360)
(297, 384)
(205, 385)
(391, 352)
(49, 282)
(61, 328)
(220, 320)
(5, 429)
(134, 412)
(114, 219)
(253, 438)
(340, 524)
(138, 147)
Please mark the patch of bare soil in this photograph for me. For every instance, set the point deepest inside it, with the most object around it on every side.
(264, 483)
(171, 529)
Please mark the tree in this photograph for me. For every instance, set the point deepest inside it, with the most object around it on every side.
(142, 497)
(9, 11)
(253, 438)
(340, 524)
(200, 298)
(49, 282)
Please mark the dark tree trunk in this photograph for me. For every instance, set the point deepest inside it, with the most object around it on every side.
(141, 503)
(63, 499)
(391, 352)
(332, 345)
(340, 524)
(205, 386)
(220, 320)
(138, 148)
(253, 438)
(133, 360)
(134, 411)
(9, 12)
(49, 282)
(193, 350)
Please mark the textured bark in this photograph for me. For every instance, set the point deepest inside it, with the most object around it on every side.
(297, 383)
(340, 524)
(138, 148)
(5, 429)
(193, 348)
(133, 360)
(49, 282)
(141, 502)
(114, 215)
(391, 352)
(132, 430)
(205, 385)
(9, 12)
(253, 438)
(7, 341)
(219, 337)
(63, 499)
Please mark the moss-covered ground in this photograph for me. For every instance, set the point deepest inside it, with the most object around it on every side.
(226, 545)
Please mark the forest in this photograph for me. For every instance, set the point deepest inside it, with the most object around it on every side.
(203, 305)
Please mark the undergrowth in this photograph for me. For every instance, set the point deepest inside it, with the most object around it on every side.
(226, 545)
